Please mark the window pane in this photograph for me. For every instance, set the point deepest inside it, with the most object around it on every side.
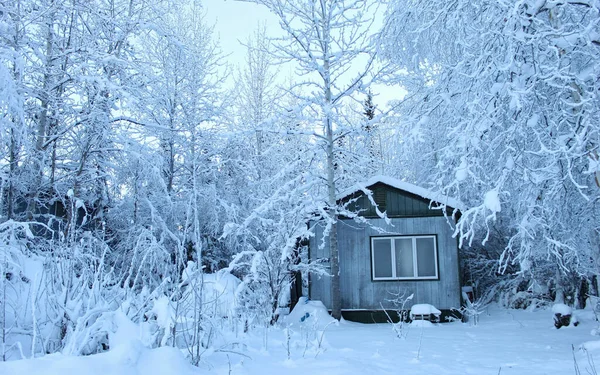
(382, 258)
(426, 257)
(404, 258)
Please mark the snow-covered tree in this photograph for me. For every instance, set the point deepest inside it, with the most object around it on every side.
(328, 41)
(12, 122)
(507, 92)
(255, 90)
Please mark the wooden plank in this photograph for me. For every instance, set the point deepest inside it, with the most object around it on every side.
(344, 254)
(402, 202)
(356, 269)
(364, 263)
(392, 203)
(410, 206)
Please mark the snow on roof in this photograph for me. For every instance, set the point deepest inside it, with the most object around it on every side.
(405, 186)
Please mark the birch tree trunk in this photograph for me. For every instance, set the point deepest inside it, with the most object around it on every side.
(326, 38)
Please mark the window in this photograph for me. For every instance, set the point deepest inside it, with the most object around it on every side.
(404, 258)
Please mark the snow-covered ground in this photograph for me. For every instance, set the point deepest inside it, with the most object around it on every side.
(504, 342)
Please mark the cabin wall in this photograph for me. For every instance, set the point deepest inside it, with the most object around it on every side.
(358, 291)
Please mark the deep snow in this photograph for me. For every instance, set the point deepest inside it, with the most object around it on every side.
(504, 341)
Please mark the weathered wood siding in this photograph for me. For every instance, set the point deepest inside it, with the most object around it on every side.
(360, 292)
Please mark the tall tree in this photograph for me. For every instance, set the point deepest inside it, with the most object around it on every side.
(326, 40)
(514, 87)
(12, 121)
(371, 132)
(255, 84)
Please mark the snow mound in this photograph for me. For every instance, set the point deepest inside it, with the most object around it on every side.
(591, 345)
(163, 311)
(220, 290)
(309, 312)
(123, 331)
(562, 309)
(125, 360)
(422, 324)
(462, 171)
(492, 201)
(165, 360)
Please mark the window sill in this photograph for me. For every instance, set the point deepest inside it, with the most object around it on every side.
(432, 278)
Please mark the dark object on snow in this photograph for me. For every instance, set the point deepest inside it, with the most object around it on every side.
(433, 318)
(563, 320)
(306, 316)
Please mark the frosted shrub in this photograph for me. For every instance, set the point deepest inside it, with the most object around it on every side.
(400, 300)
(264, 286)
(15, 286)
(82, 291)
(472, 309)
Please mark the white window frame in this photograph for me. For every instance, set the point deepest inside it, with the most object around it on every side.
(414, 250)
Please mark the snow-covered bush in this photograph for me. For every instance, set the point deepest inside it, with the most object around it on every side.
(399, 300)
(510, 288)
(475, 305)
(272, 238)
(510, 126)
(18, 281)
(311, 319)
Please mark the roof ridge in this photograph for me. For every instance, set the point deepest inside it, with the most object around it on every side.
(404, 186)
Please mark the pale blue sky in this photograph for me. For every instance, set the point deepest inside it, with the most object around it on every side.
(234, 21)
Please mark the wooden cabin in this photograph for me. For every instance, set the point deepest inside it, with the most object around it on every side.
(410, 250)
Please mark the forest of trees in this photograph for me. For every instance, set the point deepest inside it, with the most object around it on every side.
(132, 170)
